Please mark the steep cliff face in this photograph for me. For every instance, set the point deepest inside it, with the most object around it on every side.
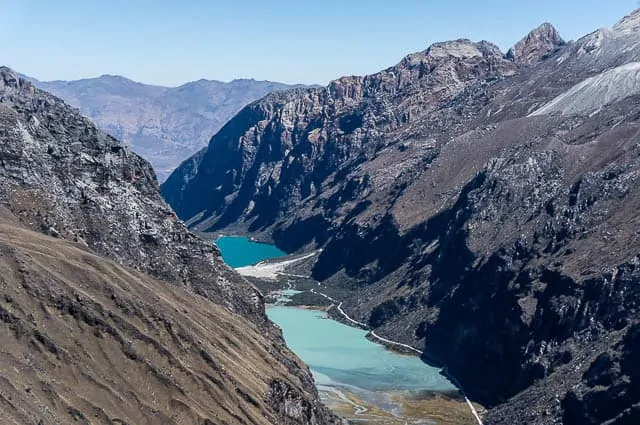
(482, 205)
(62, 175)
(86, 334)
(283, 149)
(538, 43)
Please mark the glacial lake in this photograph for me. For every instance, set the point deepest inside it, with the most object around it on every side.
(339, 356)
(239, 251)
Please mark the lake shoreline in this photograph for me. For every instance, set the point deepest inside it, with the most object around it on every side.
(448, 407)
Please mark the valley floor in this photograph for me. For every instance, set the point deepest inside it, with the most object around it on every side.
(428, 408)
(273, 277)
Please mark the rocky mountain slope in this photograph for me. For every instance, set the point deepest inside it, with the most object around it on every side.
(86, 340)
(480, 205)
(112, 311)
(164, 125)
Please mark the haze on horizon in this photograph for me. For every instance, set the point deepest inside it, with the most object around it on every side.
(170, 43)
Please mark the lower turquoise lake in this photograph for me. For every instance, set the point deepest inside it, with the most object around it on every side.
(338, 355)
(240, 251)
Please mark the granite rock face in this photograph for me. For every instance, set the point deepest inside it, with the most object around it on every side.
(283, 148)
(538, 43)
(479, 205)
(116, 263)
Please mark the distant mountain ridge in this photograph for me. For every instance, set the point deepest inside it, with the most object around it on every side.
(165, 125)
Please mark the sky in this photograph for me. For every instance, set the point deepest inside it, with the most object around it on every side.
(312, 42)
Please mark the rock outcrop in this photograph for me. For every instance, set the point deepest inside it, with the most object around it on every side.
(62, 175)
(537, 44)
(112, 311)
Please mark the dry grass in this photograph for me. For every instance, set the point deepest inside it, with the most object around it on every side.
(84, 339)
(441, 409)
(433, 408)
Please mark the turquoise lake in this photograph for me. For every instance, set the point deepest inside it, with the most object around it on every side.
(240, 251)
(338, 355)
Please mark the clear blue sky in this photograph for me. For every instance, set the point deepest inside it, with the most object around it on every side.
(171, 42)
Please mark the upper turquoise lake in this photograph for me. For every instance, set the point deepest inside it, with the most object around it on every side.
(240, 251)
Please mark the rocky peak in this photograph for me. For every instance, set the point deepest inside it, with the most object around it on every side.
(629, 24)
(489, 49)
(437, 73)
(461, 48)
(535, 45)
(453, 64)
(10, 79)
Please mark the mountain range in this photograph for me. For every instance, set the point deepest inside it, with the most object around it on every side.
(111, 311)
(480, 205)
(164, 125)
